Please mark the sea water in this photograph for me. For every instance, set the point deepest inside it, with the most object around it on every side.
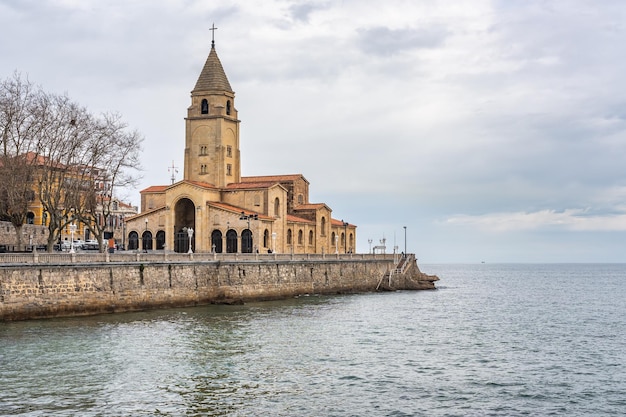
(492, 340)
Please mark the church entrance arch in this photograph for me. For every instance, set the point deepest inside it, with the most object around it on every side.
(216, 241)
(184, 219)
(231, 241)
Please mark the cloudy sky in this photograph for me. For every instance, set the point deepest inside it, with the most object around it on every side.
(493, 130)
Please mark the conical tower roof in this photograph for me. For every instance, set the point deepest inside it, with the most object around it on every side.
(212, 77)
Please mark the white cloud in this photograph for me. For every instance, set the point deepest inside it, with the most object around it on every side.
(568, 220)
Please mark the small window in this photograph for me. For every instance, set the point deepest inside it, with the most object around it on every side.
(300, 199)
(229, 170)
(229, 151)
(277, 207)
(289, 236)
(310, 237)
(203, 150)
(300, 237)
(228, 107)
(202, 169)
(205, 106)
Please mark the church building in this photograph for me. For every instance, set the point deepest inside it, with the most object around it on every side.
(214, 209)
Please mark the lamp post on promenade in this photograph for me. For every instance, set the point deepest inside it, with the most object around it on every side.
(145, 238)
(190, 234)
(248, 217)
(370, 243)
(274, 242)
(404, 240)
(72, 230)
(345, 236)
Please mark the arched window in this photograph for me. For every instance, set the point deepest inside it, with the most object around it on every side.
(323, 231)
(300, 237)
(133, 241)
(300, 199)
(231, 241)
(30, 218)
(289, 237)
(205, 106)
(160, 240)
(277, 207)
(216, 241)
(310, 237)
(266, 238)
(351, 248)
(44, 218)
(246, 241)
(146, 239)
(333, 240)
(228, 107)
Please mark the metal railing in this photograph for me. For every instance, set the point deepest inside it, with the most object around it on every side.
(173, 257)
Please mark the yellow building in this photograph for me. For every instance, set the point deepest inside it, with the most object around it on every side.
(115, 226)
(214, 208)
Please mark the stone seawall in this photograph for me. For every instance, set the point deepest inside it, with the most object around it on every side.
(48, 290)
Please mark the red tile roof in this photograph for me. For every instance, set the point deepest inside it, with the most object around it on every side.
(336, 222)
(296, 219)
(311, 206)
(275, 178)
(235, 209)
(250, 185)
(154, 189)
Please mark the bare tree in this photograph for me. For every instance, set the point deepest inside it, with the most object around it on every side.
(113, 162)
(71, 160)
(19, 129)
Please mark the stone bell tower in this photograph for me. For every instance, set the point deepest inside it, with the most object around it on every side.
(212, 129)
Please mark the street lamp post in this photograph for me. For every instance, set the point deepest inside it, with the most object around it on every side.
(404, 240)
(190, 234)
(274, 242)
(248, 217)
(145, 238)
(72, 230)
(345, 236)
(370, 242)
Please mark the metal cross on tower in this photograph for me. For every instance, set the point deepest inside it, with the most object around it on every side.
(213, 29)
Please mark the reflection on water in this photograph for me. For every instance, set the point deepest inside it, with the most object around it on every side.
(494, 340)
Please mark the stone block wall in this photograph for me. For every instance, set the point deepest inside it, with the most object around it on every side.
(41, 291)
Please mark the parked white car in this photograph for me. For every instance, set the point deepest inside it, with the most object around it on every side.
(91, 244)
